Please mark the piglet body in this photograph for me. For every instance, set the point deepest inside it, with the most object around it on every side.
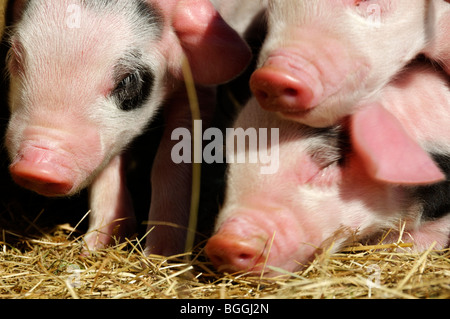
(321, 58)
(86, 79)
(322, 195)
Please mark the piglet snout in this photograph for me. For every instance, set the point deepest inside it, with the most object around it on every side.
(287, 84)
(232, 254)
(237, 246)
(39, 171)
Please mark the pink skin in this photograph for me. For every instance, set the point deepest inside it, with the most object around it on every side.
(51, 159)
(308, 205)
(388, 150)
(320, 59)
(301, 220)
(66, 133)
(293, 86)
(392, 145)
(202, 34)
(116, 204)
(177, 178)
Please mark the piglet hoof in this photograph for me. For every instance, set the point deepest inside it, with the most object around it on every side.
(115, 233)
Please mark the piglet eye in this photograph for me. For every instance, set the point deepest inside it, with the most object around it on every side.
(128, 87)
(134, 88)
(127, 91)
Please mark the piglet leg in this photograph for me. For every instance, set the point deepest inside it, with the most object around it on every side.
(112, 214)
(423, 235)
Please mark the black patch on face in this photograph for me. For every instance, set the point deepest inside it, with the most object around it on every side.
(153, 16)
(436, 198)
(134, 80)
(133, 88)
(332, 145)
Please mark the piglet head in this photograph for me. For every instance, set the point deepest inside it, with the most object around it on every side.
(82, 87)
(87, 77)
(271, 218)
(322, 57)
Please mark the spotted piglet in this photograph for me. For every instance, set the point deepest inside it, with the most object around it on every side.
(87, 77)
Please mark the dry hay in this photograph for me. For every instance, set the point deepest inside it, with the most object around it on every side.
(51, 266)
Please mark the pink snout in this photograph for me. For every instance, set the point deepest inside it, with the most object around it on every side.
(42, 171)
(238, 245)
(279, 91)
(287, 85)
(252, 240)
(231, 254)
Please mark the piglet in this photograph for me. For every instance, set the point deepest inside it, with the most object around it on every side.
(310, 188)
(87, 77)
(321, 58)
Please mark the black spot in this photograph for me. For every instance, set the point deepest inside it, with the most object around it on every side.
(152, 15)
(331, 145)
(134, 89)
(436, 198)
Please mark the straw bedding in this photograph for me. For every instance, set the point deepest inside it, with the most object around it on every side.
(51, 266)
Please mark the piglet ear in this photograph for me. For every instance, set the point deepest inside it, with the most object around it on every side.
(388, 152)
(215, 51)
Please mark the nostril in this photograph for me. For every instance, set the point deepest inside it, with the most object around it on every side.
(229, 253)
(291, 92)
(244, 256)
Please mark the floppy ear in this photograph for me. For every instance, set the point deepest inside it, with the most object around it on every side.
(387, 151)
(215, 51)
